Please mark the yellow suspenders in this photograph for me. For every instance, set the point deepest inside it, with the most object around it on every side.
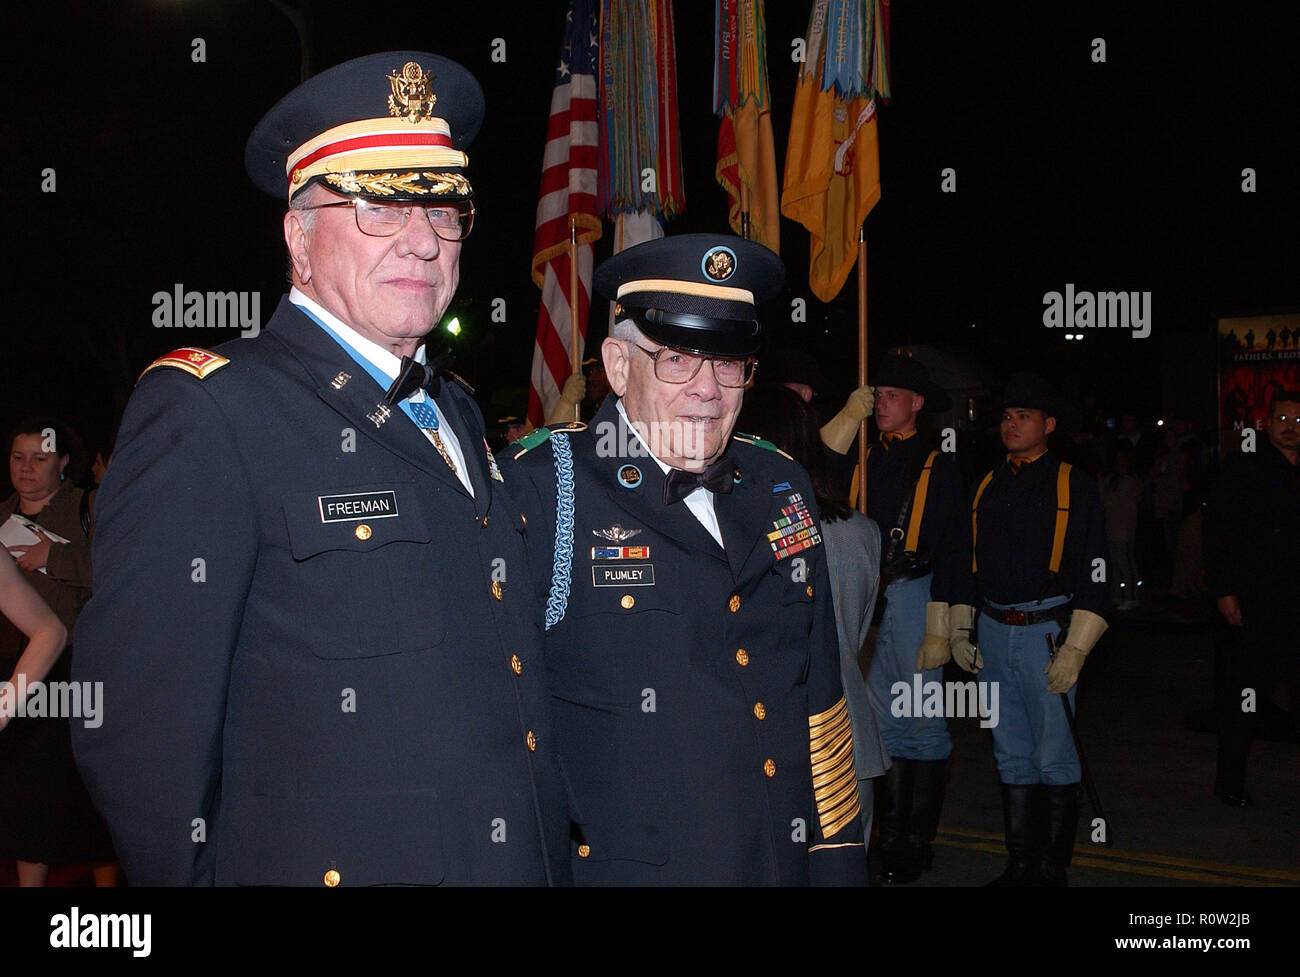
(1062, 517)
(918, 500)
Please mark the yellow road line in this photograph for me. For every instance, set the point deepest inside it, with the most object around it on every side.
(1122, 861)
(1086, 861)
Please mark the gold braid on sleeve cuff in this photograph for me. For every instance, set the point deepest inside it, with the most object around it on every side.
(835, 784)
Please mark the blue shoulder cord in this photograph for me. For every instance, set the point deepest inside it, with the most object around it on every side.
(561, 571)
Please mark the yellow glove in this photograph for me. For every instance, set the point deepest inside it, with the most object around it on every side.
(1085, 630)
(838, 433)
(964, 653)
(934, 648)
(575, 388)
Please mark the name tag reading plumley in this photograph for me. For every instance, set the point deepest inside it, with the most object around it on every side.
(633, 575)
(363, 505)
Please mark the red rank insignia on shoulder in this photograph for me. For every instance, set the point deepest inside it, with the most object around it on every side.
(193, 360)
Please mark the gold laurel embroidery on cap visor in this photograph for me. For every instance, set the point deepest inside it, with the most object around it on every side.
(835, 784)
(412, 95)
(388, 184)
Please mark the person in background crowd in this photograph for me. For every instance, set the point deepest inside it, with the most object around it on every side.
(853, 559)
(20, 768)
(46, 816)
(1120, 493)
(1252, 559)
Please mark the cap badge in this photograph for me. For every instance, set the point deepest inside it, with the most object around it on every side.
(412, 97)
(719, 264)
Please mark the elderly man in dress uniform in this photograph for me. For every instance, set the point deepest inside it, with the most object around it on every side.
(312, 618)
(691, 638)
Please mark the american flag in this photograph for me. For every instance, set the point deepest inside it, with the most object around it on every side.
(568, 189)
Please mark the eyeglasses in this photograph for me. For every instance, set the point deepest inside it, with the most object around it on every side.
(674, 366)
(451, 222)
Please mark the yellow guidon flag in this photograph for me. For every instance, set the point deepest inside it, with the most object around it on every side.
(832, 165)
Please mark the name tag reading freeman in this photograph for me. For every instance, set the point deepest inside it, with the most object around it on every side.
(629, 575)
(361, 505)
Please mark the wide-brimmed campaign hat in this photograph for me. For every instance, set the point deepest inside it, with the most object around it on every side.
(694, 292)
(1036, 393)
(906, 373)
(390, 126)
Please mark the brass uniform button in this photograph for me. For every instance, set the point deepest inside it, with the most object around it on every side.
(734, 603)
(769, 767)
(362, 532)
(742, 657)
(531, 740)
(524, 519)
(332, 878)
(628, 601)
(496, 589)
(485, 522)
(809, 589)
(760, 710)
(516, 665)
(584, 851)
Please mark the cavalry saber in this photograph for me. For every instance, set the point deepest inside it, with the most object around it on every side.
(1089, 785)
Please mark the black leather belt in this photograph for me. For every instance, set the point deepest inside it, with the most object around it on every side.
(1020, 619)
(904, 570)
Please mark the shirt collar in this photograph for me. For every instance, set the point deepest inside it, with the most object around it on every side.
(618, 405)
(887, 437)
(1024, 461)
(383, 360)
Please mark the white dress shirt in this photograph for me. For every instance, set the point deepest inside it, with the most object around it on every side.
(699, 500)
(389, 365)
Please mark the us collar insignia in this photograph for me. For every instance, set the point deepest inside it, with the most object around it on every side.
(341, 380)
(629, 476)
(615, 533)
(719, 264)
(412, 97)
(492, 462)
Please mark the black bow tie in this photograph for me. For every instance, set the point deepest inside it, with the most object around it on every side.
(716, 478)
(413, 375)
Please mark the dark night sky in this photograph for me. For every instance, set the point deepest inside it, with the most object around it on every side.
(1123, 175)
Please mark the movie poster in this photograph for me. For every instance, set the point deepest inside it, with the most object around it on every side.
(1258, 355)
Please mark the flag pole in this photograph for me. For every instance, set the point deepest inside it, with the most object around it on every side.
(744, 208)
(862, 363)
(575, 357)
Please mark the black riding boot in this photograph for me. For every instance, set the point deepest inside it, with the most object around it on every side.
(1018, 821)
(930, 780)
(1058, 823)
(899, 854)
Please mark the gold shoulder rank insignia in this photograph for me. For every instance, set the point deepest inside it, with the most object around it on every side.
(197, 362)
(835, 785)
(570, 427)
(758, 442)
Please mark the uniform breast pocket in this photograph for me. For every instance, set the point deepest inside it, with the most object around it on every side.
(796, 613)
(624, 623)
(367, 574)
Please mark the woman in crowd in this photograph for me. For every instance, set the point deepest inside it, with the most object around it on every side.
(45, 814)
